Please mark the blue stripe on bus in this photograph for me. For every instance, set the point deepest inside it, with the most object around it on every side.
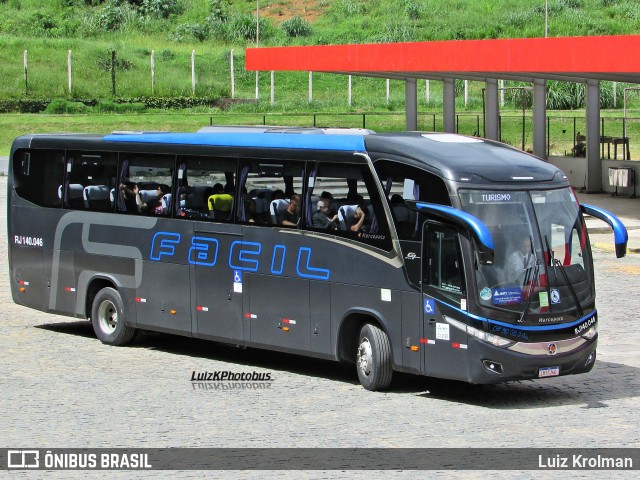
(539, 328)
(349, 143)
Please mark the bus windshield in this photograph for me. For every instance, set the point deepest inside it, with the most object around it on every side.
(541, 260)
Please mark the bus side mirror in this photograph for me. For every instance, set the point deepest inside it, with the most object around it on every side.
(479, 231)
(620, 234)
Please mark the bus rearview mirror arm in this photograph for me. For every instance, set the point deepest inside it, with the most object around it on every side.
(479, 231)
(620, 234)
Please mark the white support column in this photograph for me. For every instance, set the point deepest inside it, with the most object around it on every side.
(193, 72)
(501, 93)
(540, 118)
(427, 92)
(153, 73)
(594, 172)
(491, 110)
(233, 76)
(273, 92)
(411, 103)
(350, 80)
(388, 91)
(449, 105)
(69, 69)
(466, 92)
(310, 87)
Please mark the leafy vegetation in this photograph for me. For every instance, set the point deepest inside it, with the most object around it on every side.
(91, 29)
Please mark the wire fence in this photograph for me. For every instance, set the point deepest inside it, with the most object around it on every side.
(620, 137)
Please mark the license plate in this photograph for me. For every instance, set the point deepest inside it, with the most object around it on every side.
(548, 372)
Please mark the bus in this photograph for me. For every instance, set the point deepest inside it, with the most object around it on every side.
(433, 254)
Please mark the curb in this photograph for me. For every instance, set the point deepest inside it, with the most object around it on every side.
(611, 248)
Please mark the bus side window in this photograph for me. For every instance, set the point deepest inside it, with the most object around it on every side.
(90, 179)
(42, 180)
(342, 199)
(145, 184)
(267, 188)
(206, 188)
(444, 271)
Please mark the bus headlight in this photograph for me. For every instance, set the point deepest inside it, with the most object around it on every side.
(479, 334)
(592, 332)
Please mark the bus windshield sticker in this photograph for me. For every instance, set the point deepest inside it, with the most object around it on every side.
(544, 299)
(555, 296)
(505, 296)
(442, 331)
(485, 294)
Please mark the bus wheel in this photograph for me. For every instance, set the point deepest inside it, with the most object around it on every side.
(373, 359)
(108, 318)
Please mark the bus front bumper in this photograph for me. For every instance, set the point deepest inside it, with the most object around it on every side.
(491, 364)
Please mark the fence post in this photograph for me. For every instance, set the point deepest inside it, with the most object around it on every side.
(349, 90)
(466, 92)
(502, 93)
(69, 70)
(311, 92)
(193, 72)
(388, 91)
(427, 93)
(273, 94)
(233, 77)
(113, 73)
(153, 73)
(26, 83)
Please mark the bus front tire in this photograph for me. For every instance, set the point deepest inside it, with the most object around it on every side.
(108, 318)
(373, 358)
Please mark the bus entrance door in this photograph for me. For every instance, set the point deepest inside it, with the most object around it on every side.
(217, 286)
(444, 346)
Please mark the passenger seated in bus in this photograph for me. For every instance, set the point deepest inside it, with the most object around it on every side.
(322, 217)
(250, 210)
(358, 219)
(154, 205)
(220, 203)
(520, 261)
(277, 195)
(291, 215)
(327, 197)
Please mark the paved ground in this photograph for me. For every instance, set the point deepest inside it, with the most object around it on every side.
(62, 388)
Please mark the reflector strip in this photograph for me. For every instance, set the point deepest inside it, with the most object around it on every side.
(69, 289)
(250, 315)
(22, 282)
(459, 345)
(289, 321)
(141, 300)
(426, 340)
(200, 308)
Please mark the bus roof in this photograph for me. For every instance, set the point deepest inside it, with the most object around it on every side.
(248, 139)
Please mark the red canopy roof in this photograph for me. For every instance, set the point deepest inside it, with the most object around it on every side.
(565, 58)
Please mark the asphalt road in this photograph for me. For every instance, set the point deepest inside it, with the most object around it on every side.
(61, 387)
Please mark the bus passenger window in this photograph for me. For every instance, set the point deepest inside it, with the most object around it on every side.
(342, 199)
(91, 181)
(41, 182)
(144, 184)
(272, 192)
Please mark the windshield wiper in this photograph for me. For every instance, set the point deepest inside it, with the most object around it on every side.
(525, 312)
(557, 263)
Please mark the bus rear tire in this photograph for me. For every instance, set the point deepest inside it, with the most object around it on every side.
(373, 358)
(108, 318)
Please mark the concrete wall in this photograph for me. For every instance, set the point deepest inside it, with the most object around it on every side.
(576, 169)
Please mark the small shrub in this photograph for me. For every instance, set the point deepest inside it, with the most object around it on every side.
(60, 105)
(120, 107)
(296, 27)
(161, 8)
(104, 63)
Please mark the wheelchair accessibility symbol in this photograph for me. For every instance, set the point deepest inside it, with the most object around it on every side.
(429, 306)
(555, 296)
(237, 276)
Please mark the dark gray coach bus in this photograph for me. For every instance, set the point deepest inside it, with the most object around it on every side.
(428, 253)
